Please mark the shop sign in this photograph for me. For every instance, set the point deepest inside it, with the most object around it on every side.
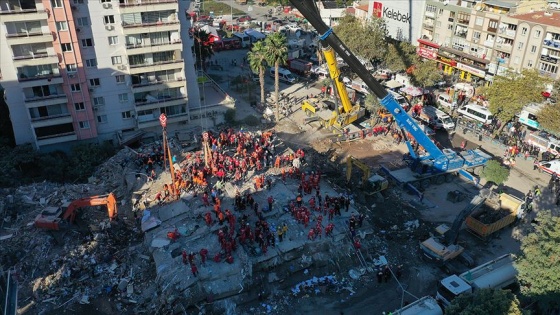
(426, 53)
(447, 61)
(475, 71)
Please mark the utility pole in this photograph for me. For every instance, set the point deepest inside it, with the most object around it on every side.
(167, 157)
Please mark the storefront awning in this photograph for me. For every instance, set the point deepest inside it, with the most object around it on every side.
(463, 55)
(428, 43)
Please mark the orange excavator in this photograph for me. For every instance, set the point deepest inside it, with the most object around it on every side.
(54, 218)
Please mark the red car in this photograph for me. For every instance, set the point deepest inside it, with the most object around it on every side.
(244, 18)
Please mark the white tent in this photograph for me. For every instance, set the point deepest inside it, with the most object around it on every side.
(413, 91)
(393, 84)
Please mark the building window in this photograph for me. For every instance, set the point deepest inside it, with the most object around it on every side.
(523, 31)
(78, 1)
(98, 101)
(87, 42)
(476, 35)
(80, 106)
(450, 26)
(479, 21)
(530, 64)
(56, 3)
(492, 26)
(463, 18)
(116, 60)
(105, 1)
(109, 19)
(520, 46)
(102, 119)
(451, 17)
(126, 115)
(91, 63)
(516, 60)
(533, 49)
(431, 8)
(548, 68)
(537, 33)
(123, 98)
(75, 87)
(61, 26)
(94, 82)
(120, 79)
(83, 21)
(113, 40)
(71, 67)
(84, 124)
(66, 47)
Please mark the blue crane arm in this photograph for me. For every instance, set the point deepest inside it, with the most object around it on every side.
(309, 10)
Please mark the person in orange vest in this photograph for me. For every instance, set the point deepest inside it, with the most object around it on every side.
(277, 162)
(257, 182)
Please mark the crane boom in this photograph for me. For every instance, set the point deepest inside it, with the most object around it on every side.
(334, 71)
(309, 10)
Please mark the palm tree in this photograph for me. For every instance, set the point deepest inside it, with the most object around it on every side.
(202, 47)
(257, 62)
(277, 55)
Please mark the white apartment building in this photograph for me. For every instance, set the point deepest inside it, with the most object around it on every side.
(76, 70)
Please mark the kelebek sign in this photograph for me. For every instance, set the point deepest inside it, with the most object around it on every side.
(380, 11)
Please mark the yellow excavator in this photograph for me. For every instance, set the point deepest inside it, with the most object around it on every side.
(333, 117)
(370, 184)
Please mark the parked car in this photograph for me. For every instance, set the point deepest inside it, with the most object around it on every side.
(244, 18)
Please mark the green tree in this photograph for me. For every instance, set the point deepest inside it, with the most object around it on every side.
(509, 93)
(366, 40)
(495, 172)
(485, 302)
(257, 61)
(202, 48)
(400, 56)
(539, 262)
(549, 117)
(277, 52)
(426, 73)
(371, 103)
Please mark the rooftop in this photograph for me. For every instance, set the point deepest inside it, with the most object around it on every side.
(541, 17)
(502, 3)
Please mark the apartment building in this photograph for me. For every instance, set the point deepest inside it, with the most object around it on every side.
(76, 70)
(476, 40)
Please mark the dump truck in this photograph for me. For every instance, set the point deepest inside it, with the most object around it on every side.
(497, 212)
(424, 306)
(299, 66)
(495, 274)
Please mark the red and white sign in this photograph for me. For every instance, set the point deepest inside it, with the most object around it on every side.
(475, 71)
(378, 9)
(163, 120)
(426, 53)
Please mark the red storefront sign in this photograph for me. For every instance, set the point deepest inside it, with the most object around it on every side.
(426, 53)
(447, 61)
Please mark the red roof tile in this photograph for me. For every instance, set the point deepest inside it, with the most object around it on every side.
(539, 17)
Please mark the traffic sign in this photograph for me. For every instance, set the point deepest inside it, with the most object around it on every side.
(163, 120)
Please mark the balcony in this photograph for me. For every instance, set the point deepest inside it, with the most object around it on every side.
(549, 59)
(151, 48)
(47, 100)
(149, 86)
(489, 43)
(51, 120)
(40, 80)
(156, 66)
(504, 47)
(507, 33)
(22, 15)
(161, 102)
(429, 26)
(134, 6)
(28, 38)
(35, 59)
(552, 43)
(149, 121)
(170, 25)
(59, 138)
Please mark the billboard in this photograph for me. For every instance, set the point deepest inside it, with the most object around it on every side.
(403, 18)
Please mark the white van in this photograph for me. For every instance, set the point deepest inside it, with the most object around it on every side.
(284, 75)
(476, 112)
(446, 100)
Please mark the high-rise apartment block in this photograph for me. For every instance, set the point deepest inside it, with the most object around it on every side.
(75, 70)
(475, 40)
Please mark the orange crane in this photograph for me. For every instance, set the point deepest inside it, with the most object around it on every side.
(54, 218)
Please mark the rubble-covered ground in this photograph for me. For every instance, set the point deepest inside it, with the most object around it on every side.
(109, 268)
